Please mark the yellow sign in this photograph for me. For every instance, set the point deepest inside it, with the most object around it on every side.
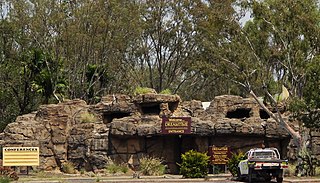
(20, 156)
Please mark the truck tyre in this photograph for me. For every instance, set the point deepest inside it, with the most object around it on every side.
(239, 174)
(250, 175)
(279, 179)
(268, 179)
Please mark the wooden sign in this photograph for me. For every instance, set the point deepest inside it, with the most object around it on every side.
(219, 155)
(176, 125)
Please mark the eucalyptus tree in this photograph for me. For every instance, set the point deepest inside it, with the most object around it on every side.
(161, 56)
(275, 46)
(97, 33)
(288, 42)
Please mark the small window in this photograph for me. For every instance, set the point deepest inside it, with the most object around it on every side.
(173, 106)
(264, 114)
(150, 109)
(239, 113)
(107, 118)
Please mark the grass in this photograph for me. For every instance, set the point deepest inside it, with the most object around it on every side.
(166, 91)
(88, 117)
(143, 90)
(115, 168)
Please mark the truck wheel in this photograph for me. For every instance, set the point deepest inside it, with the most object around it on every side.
(250, 175)
(268, 179)
(239, 174)
(279, 179)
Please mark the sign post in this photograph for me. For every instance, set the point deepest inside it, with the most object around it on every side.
(219, 156)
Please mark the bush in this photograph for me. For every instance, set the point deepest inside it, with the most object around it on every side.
(114, 168)
(194, 164)
(5, 180)
(318, 171)
(291, 170)
(151, 166)
(68, 167)
(234, 161)
(309, 163)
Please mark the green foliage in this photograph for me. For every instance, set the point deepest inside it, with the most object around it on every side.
(4, 179)
(291, 170)
(96, 77)
(194, 164)
(309, 163)
(234, 161)
(166, 91)
(317, 171)
(47, 72)
(68, 168)
(151, 166)
(310, 90)
(306, 107)
(143, 90)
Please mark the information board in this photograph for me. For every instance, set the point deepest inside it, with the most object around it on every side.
(20, 156)
(219, 155)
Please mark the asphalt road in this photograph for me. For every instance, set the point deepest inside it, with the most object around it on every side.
(144, 179)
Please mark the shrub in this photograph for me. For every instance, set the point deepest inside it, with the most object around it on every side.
(88, 118)
(291, 170)
(115, 168)
(151, 166)
(194, 164)
(318, 171)
(234, 161)
(82, 170)
(124, 169)
(309, 163)
(5, 180)
(68, 167)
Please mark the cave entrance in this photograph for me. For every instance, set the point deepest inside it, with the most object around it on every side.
(108, 117)
(150, 108)
(239, 113)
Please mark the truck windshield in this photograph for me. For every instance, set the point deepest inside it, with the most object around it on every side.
(268, 154)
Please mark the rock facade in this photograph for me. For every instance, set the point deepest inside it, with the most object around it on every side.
(125, 129)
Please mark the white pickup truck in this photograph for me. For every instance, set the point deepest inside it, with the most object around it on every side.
(262, 163)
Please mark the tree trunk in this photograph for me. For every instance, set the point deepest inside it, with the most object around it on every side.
(278, 118)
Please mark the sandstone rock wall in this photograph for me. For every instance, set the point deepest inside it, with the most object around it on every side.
(125, 129)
